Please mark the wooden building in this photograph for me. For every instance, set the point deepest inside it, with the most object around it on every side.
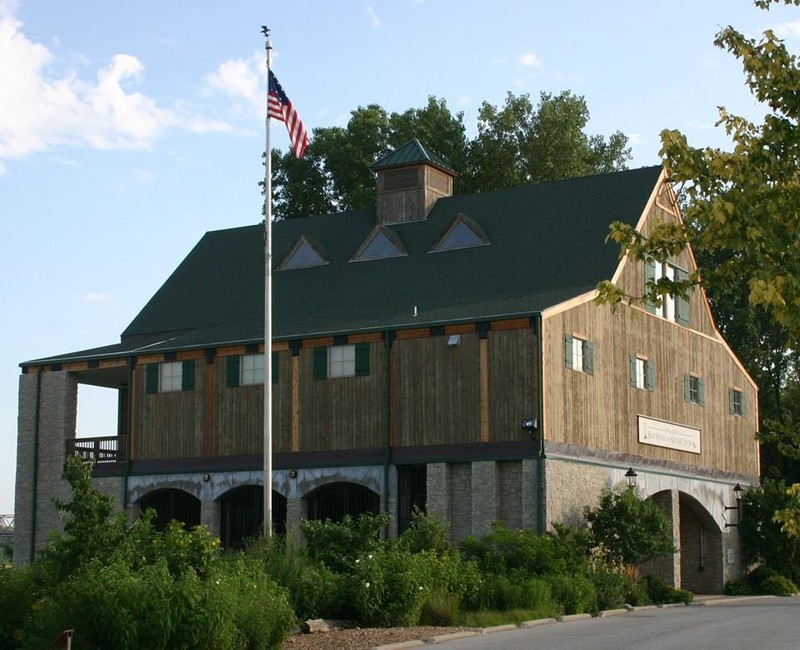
(439, 350)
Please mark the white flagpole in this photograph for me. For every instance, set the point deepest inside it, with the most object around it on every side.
(267, 311)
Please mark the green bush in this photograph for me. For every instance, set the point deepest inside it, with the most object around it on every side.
(661, 593)
(17, 596)
(424, 533)
(389, 587)
(338, 545)
(441, 610)
(314, 590)
(739, 587)
(574, 594)
(504, 593)
(777, 585)
(611, 585)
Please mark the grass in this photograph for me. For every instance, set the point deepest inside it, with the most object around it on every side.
(515, 616)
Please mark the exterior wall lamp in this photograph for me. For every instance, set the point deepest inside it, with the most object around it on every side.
(631, 477)
(738, 492)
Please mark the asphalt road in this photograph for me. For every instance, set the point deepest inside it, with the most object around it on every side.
(749, 624)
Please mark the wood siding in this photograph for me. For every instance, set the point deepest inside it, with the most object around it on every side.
(600, 410)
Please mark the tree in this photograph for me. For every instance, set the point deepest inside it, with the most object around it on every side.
(628, 529)
(516, 144)
(746, 201)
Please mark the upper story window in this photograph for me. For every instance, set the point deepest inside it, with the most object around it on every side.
(352, 360)
(379, 244)
(169, 376)
(674, 308)
(694, 389)
(642, 373)
(579, 353)
(302, 254)
(737, 402)
(462, 232)
(248, 369)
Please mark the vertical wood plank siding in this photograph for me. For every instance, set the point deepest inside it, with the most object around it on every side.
(513, 382)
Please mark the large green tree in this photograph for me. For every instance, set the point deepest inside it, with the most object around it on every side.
(517, 143)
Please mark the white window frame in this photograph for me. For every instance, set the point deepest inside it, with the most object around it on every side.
(170, 377)
(251, 369)
(341, 361)
(578, 359)
(641, 373)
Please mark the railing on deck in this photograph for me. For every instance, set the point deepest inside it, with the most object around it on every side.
(106, 449)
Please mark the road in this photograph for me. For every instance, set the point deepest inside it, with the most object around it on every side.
(748, 624)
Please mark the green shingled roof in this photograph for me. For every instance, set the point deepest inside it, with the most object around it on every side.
(411, 153)
(546, 245)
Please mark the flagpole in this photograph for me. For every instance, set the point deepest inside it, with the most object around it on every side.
(267, 309)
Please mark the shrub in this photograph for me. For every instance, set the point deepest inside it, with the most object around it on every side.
(441, 610)
(424, 533)
(661, 593)
(338, 545)
(17, 596)
(738, 588)
(574, 594)
(389, 587)
(611, 585)
(504, 593)
(777, 585)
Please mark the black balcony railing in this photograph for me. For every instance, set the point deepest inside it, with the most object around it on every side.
(106, 449)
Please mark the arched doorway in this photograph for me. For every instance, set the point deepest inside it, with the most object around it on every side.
(171, 503)
(335, 500)
(242, 514)
(701, 548)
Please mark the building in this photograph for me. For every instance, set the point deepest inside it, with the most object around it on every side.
(438, 350)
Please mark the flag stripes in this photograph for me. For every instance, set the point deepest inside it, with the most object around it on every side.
(279, 107)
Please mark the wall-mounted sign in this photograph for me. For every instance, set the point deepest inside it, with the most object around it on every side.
(668, 434)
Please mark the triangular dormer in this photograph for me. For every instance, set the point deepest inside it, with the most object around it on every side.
(379, 244)
(301, 255)
(410, 180)
(462, 232)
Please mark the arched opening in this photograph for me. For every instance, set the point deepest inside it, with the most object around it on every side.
(335, 500)
(701, 548)
(242, 514)
(171, 503)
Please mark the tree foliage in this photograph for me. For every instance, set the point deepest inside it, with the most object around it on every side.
(516, 143)
(628, 529)
(744, 203)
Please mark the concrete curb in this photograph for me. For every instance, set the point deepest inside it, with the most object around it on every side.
(537, 622)
(574, 617)
(500, 628)
(727, 600)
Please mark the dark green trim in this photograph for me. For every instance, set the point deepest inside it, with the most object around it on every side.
(187, 375)
(362, 359)
(232, 370)
(151, 378)
(320, 363)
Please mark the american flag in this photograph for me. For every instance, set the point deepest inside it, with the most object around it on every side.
(281, 109)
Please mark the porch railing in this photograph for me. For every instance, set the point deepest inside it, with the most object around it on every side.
(106, 449)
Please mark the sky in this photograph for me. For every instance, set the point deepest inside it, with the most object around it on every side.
(129, 129)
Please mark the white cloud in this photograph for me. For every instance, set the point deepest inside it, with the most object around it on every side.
(530, 60)
(96, 298)
(40, 110)
(373, 17)
(788, 30)
(238, 78)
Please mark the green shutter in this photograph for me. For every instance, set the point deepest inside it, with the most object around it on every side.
(687, 388)
(568, 350)
(321, 363)
(649, 276)
(633, 371)
(649, 376)
(588, 357)
(232, 375)
(275, 358)
(681, 303)
(744, 404)
(362, 359)
(731, 401)
(151, 377)
(187, 375)
(701, 392)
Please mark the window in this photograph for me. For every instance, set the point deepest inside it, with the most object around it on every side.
(737, 402)
(379, 244)
(694, 389)
(341, 361)
(579, 354)
(303, 254)
(462, 232)
(248, 370)
(169, 377)
(642, 373)
(673, 308)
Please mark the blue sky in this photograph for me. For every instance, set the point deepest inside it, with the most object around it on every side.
(127, 130)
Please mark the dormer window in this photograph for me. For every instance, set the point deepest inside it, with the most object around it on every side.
(302, 254)
(462, 232)
(379, 244)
